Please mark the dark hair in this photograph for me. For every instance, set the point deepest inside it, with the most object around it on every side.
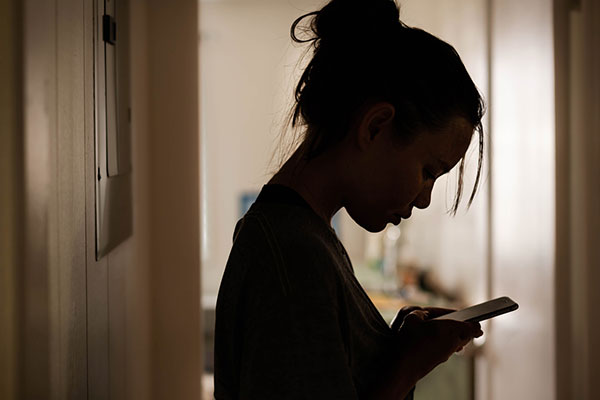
(363, 52)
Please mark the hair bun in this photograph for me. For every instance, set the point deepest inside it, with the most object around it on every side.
(349, 21)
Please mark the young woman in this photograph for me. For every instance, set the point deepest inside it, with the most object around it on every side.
(384, 109)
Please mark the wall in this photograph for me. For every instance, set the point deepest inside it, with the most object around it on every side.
(47, 267)
(11, 196)
(59, 359)
(126, 326)
(174, 202)
(577, 60)
(520, 346)
(584, 128)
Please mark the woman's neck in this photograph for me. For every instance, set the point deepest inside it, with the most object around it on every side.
(316, 180)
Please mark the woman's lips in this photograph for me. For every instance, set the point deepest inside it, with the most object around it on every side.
(397, 218)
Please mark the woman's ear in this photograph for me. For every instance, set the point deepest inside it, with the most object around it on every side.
(376, 118)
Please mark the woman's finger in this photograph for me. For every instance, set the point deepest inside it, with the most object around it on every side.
(415, 317)
(402, 313)
(465, 331)
(435, 312)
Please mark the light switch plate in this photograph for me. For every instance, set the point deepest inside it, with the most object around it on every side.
(114, 219)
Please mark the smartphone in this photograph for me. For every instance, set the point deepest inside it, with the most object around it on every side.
(482, 311)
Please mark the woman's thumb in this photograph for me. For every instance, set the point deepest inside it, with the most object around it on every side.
(415, 317)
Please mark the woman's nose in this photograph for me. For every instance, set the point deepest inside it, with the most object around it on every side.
(424, 198)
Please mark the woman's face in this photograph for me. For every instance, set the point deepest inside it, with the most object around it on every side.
(390, 178)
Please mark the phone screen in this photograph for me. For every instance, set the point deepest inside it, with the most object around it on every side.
(483, 311)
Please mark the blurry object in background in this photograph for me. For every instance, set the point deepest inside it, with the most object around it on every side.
(452, 380)
(390, 268)
(429, 282)
(246, 200)
(335, 224)
(391, 239)
(423, 285)
(208, 321)
(381, 254)
(374, 251)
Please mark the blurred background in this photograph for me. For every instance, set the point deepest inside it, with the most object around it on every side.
(210, 85)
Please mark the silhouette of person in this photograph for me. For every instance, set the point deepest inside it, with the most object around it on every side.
(384, 110)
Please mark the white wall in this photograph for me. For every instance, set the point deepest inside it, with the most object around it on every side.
(520, 346)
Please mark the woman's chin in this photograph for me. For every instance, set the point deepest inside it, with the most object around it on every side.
(369, 223)
(374, 227)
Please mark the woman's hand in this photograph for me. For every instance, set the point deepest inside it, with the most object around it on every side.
(425, 343)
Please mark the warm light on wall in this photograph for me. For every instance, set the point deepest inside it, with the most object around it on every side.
(520, 347)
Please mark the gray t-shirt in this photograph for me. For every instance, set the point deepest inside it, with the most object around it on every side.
(292, 321)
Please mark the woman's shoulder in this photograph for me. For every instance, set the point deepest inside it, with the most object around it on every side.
(290, 228)
(293, 240)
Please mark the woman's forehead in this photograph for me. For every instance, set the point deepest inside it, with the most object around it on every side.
(451, 141)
